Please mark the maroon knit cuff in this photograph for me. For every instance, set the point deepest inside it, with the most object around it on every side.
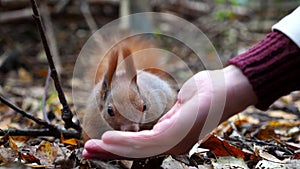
(272, 67)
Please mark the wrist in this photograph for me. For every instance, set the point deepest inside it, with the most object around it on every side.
(239, 91)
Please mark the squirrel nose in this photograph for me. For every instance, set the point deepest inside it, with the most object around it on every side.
(130, 127)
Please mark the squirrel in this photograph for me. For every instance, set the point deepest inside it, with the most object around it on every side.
(130, 94)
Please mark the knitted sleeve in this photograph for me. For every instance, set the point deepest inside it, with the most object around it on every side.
(272, 67)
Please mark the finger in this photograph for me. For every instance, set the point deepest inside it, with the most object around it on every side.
(141, 138)
(93, 150)
(164, 136)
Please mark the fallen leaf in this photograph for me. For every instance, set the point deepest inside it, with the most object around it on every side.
(5, 122)
(71, 141)
(28, 155)
(282, 114)
(8, 155)
(170, 163)
(46, 153)
(228, 162)
(24, 75)
(20, 138)
(13, 145)
(268, 156)
(266, 133)
(4, 139)
(283, 123)
(263, 164)
(222, 148)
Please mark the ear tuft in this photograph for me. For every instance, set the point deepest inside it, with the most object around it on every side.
(111, 69)
(129, 64)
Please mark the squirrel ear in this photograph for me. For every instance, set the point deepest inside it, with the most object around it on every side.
(129, 64)
(112, 65)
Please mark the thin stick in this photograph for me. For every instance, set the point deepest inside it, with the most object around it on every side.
(41, 132)
(10, 16)
(31, 117)
(51, 37)
(45, 95)
(66, 112)
(50, 131)
(85, 10)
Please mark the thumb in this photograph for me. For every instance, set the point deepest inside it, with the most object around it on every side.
(93, 150)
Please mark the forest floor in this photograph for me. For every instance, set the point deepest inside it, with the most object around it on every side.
(250, 139)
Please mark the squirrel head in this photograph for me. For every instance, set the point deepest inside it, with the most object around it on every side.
(121, 104)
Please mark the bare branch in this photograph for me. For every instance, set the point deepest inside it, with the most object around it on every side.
(45, 95)
(85, 10)
(15, 15)
(66, 112)
(51, 36)
(41, 132)
(50, 131)
(31, 117)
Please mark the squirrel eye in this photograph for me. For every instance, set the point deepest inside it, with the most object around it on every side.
(144, 107)
(110, 111)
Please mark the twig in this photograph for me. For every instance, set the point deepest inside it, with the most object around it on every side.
(45, 96)
(31, 117)
(50, 131)
(15, 15)
(85, 10)
(41, 132)
(51, 37)
(66, 112)
(60, 5)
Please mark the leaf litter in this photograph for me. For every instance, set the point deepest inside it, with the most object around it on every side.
(252, 139)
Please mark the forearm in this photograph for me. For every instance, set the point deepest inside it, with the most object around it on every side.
(239, 92)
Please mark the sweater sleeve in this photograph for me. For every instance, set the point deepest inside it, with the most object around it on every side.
(272, 67)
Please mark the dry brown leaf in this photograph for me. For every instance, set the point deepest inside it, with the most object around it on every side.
(28, 155)
(293, 145)
(297, 156)
(46, 152)
(229, 162)
(13, 145)
(286, 99)
(263, 164)
(8, 155)
(282, 114)
(20, 138)
(268, 156)
(266, 133)
(42, 72)
(71, 141)
(243, 118)
(222, 148)
(5, 122)
(24, 75)
(170, 163)
(283, 123)
(3, 108)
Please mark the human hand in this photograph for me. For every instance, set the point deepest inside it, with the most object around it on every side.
(202, 102)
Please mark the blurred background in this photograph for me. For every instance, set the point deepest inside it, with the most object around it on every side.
(232, 26)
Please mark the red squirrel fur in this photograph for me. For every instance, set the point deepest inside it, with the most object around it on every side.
(137, 93)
